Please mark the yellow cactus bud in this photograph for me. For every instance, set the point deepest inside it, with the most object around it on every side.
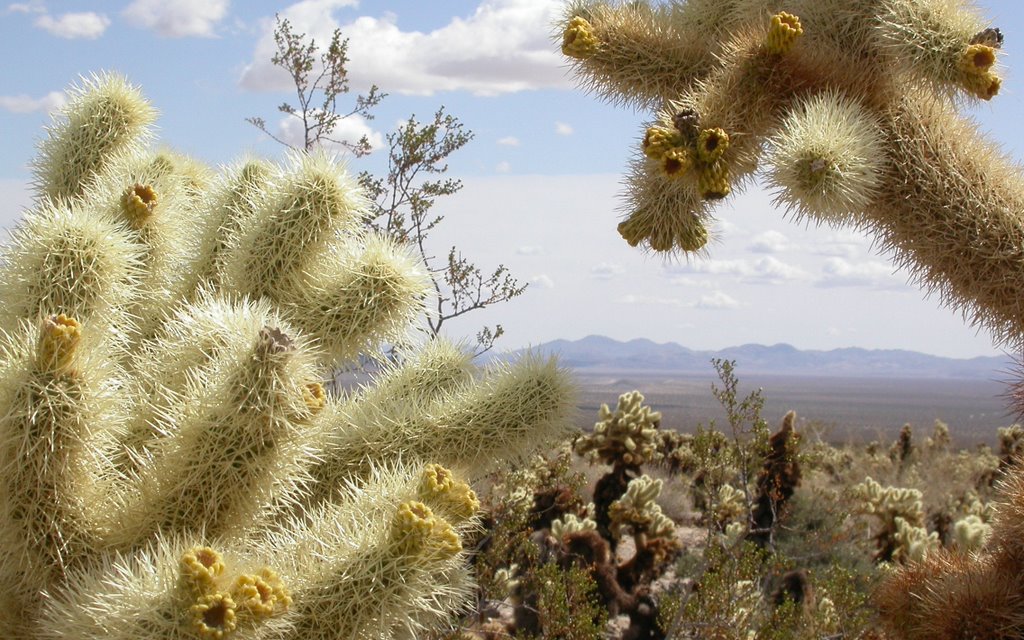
(695, 237)
(784, 30)
(58, 340)
(658, 141)
(137, 204)
(438, 485)
(214, 616)
(712, 145)
(578, 40)
(436, 479)
(713, 181)
(314, 396)
(977, 58)
(676, 162)
(200, 567)
(983, 85)
(416, 529)
(262, 594)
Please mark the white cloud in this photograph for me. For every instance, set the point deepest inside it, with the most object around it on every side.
(178, 18)
(86, 25)
(717, 300)
(26, 104)
(607, 271)
(770, 242)
(503, 47)
(766, 269)
(509, 141)
(563, 129)
(530, 250)
(631, 298)
(838, 272)
(32, 6)
(503, 167)
(543, 281)
(846, 244)
(349, 130)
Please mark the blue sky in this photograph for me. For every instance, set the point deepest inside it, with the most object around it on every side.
(541, 176)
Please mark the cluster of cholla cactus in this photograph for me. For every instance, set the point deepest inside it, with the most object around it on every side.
(895, 509)
(564, 531)
(171, 466)
(849, 109)
(624, 438)
(951, 595)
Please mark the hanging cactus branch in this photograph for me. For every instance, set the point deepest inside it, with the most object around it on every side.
(848, 109)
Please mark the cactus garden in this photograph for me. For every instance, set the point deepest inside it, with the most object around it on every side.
(182, 456)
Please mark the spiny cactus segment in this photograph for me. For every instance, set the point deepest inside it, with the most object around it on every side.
(172, 466)
(626, 436)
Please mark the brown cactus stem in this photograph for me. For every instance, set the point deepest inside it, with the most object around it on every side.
(776, 483)
(609, 488)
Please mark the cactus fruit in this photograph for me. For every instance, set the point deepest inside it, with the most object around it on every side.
(171, 465)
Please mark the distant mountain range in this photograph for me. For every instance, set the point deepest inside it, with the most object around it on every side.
(601, 354)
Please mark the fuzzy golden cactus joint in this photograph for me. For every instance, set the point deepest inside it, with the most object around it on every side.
(172, 462)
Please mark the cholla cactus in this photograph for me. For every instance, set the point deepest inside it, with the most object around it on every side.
(912, 543)
(888, 505)
(1011, 445)
(171, 466)
(776, 482)
(728, 506)
(971, 533)
(570, 523)
(625, 439)
(846, 107)
(627, 436)
(957, 594)
(940, 440)
(638, 513)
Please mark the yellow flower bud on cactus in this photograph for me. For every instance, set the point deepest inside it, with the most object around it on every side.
(415, 529)
(261, 594)
(977, 58)
(440, 487)
(58, 341)
(200, 567)
(137, 204)
(635, 229)
(712, 144)
(694, 238)
(676, 162)
(578, 40)
(983, 85)
(214, 616)
(713, 181)
(314, 396)
(784, 30)
(659, 140)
